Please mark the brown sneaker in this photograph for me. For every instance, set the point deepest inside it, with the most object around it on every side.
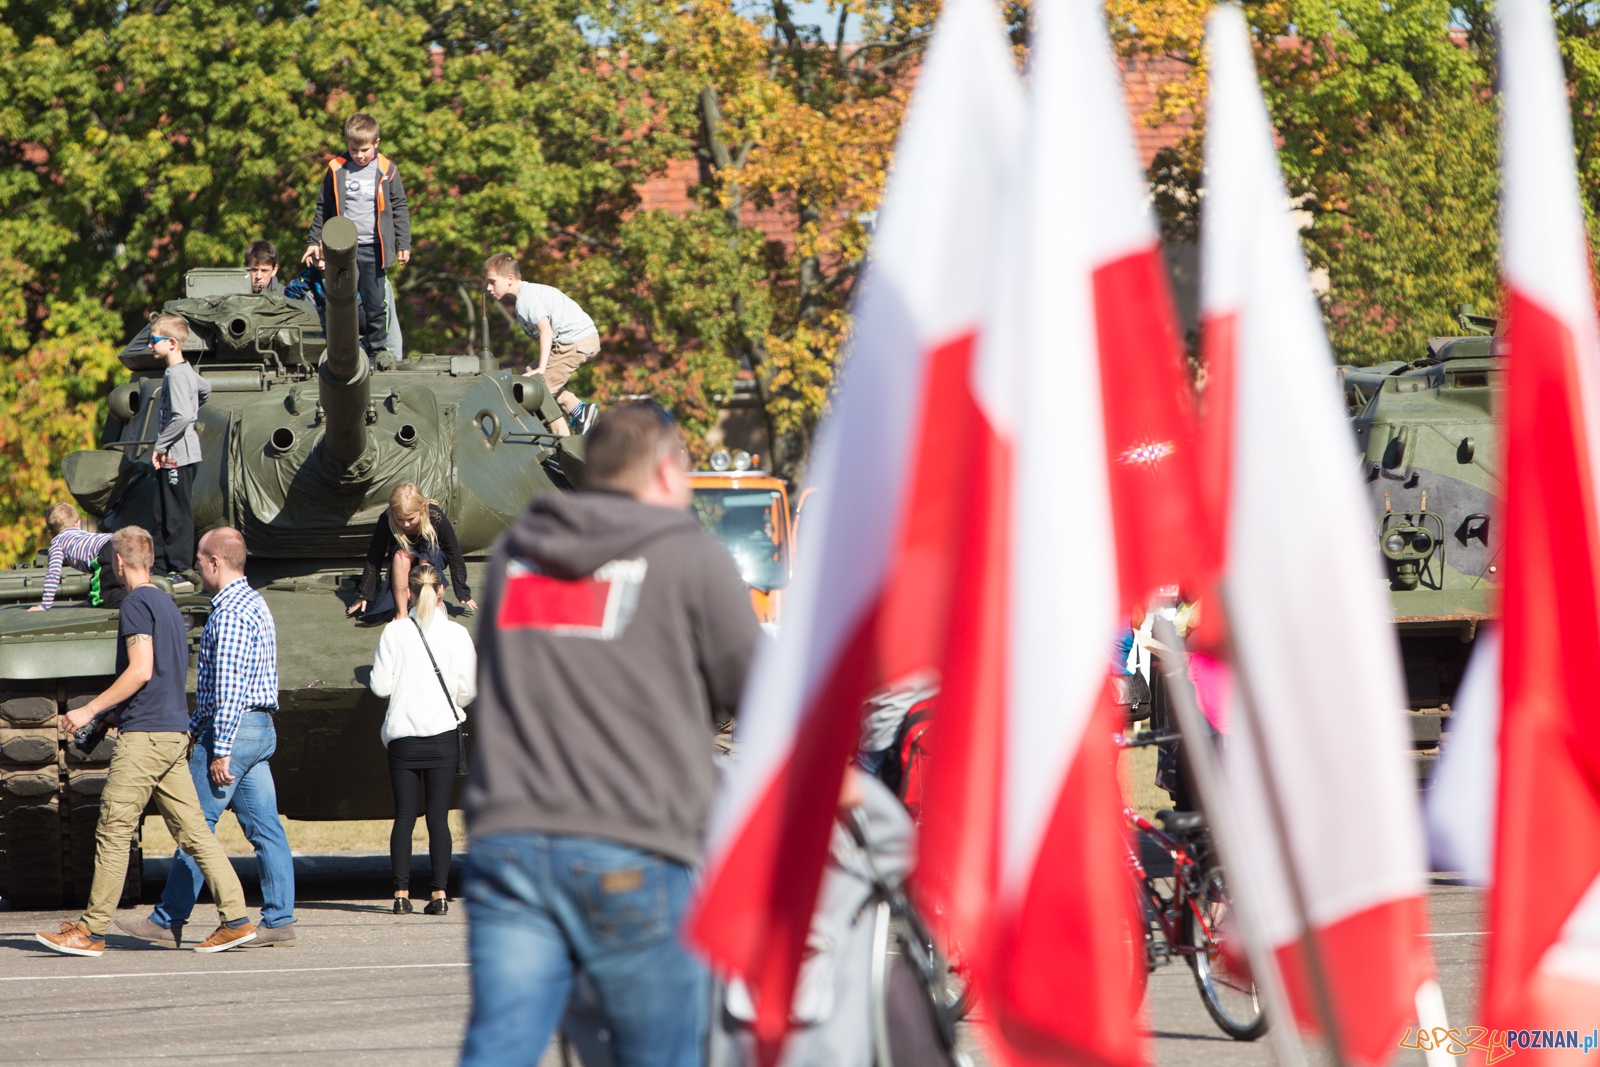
(222, 938)
(74, 939)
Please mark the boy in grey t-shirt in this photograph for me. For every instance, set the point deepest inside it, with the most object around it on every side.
(176, 455)
(567, 335)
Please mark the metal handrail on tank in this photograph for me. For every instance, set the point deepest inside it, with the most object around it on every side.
(344, 382)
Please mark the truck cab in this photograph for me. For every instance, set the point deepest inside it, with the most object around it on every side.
(747, 510)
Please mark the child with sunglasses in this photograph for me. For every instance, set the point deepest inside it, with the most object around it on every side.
(176, 455)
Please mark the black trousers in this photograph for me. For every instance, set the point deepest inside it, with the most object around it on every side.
(374, 298)
(174, 532)
(427, 764)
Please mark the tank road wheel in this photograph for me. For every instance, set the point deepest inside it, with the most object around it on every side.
(30, 802)
(49, 805)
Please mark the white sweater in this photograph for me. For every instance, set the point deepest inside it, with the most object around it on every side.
(401, 671)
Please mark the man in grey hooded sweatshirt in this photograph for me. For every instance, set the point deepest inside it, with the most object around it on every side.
(615, 635)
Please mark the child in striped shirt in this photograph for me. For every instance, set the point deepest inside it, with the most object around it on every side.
(71, 543)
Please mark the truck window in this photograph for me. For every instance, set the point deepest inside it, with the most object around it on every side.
(750, 525)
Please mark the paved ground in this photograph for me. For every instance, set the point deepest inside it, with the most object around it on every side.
(1185, 1034)
(367, 987)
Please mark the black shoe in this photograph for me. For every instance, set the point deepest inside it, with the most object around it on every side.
(437, 906)
(402, 906)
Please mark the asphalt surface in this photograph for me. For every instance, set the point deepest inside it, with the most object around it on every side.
(365, 986)
(1184, 1034)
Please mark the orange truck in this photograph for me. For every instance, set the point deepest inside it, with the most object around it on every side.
(748, 511)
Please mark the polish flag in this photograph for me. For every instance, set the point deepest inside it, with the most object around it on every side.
(895, 463)
(1543, 965)
(1307, 609)
(1085, 499)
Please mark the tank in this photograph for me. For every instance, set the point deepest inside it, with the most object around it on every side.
(1429, 454)
(303, 443)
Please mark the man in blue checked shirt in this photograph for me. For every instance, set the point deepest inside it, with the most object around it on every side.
(234, 736)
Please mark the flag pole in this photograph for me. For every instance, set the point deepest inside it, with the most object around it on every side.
(1282, 1032)
(1318, 975)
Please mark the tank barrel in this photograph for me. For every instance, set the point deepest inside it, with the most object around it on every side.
(343, 380)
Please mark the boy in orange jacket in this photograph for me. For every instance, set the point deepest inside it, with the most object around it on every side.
(364, 186)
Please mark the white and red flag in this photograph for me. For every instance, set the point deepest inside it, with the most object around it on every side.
(1543, 964)
(1307, 612)
(870, 606)
(1092, 504)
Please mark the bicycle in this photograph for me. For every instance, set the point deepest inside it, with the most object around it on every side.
(1191, 921)
(900, 935)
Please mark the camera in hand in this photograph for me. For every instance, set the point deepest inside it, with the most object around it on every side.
(87, 737)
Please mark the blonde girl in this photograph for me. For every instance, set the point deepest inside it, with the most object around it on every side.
(413, 530)
(419, 727)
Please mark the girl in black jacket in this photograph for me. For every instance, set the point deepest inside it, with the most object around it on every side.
(414, 530)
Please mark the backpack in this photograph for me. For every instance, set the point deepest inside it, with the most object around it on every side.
(904, 771)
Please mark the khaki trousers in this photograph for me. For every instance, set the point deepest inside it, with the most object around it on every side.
(564, 359)
(158, 764)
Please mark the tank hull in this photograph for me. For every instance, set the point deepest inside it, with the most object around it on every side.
(1429, 453)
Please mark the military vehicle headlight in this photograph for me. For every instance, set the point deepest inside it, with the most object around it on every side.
(1395, 543)
(1422, 542)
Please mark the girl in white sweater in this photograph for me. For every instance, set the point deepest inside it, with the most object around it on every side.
(420, 727)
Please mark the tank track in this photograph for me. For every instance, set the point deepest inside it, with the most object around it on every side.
(50, 804)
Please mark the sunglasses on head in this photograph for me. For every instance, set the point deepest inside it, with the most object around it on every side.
(661, 413)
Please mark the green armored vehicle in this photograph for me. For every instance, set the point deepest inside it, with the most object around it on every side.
(303, 443)
(1430, 454)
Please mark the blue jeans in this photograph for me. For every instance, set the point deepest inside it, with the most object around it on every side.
(254, 799)
(542, 906)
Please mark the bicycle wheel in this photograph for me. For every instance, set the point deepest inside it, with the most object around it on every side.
(952, 992)
(1230, 999)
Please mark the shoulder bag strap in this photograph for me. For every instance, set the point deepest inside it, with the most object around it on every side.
(437, 673)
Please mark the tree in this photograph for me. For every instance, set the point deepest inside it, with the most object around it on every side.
(1418, 236)
(1386, 138)
(138, 140)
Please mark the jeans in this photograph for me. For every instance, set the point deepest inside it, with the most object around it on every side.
(542, 906)
(254, 800)
(370, 277)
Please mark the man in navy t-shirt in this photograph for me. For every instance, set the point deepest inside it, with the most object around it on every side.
(151, 759)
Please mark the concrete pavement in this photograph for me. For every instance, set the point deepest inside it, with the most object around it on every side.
(364, 986)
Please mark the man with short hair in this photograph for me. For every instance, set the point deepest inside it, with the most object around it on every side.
(152, 714)
(615, 636)
(261, 260)
(236, 696)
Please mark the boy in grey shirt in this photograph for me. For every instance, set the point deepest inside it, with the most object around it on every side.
(177, 449)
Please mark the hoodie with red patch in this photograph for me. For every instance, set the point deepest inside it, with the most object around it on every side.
(614, 636)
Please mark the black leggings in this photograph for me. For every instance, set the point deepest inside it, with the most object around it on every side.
(437, 781)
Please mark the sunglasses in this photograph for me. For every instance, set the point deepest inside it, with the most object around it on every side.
(155, 340)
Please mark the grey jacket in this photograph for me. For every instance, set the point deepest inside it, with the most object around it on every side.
(182, 393)
(614, 636)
